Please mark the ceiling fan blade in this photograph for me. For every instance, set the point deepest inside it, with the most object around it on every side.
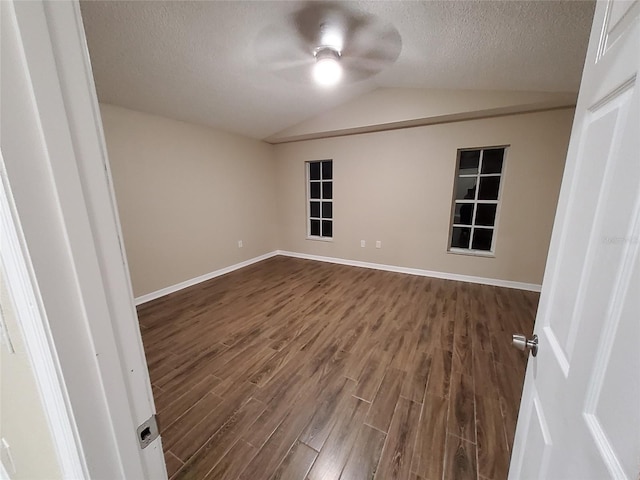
(373, 39)
(284, 64)
(301, 73)
(366, 43)
(356, 69)
(317, 18)
(276, 44)
(370, 64)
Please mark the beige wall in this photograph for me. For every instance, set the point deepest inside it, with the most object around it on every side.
(186, 194)
(23, 421)
(396, 186)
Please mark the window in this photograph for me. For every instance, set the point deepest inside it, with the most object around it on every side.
(320, 199)
(476, 197)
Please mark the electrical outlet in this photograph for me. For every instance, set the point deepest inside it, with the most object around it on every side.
(378, 244)
(363, 243)
(239, 243)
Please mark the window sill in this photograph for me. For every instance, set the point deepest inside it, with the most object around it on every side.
(320, 239)
(472, 253)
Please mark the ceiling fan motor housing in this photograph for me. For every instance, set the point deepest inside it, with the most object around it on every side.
(322, 53)
(327, 70)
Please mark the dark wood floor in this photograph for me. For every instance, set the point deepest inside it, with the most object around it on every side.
(294, 369)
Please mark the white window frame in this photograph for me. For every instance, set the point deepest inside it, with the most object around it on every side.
(475, 201)
(309, 200)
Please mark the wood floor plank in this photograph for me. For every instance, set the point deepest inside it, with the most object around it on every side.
(460, 459)
(440, 374)
(185, 447)
(280, 404)
(266, 461)
(356, 363)
(162, 365)
(415, 383)
(493, 453)
(172, 462)
(184, 381)
(269, 368)
(428, 458)
(213, 451)
(462, 338)
(248, 364)
(188, 421)
(280, 407)
(510, 383)
(395, 462)
(504, 353)
(172, 412)
(280, 341)
(371, 376)
(187, 365)
(484, 375)
(282, 385)
(233, 463)
(296, 464)
(461, 407)
(482, 340)
(404, 349)
(336, 449)
(424, 330)
(384, 403)
(316, 433)
(365, 455)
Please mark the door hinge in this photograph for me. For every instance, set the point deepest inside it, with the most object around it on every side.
(148, 431)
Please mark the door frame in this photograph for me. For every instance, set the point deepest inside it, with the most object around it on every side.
(39, 347)
(66, 212)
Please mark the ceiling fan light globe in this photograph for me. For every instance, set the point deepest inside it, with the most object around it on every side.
(327, 72)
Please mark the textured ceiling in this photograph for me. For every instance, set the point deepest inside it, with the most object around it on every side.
(197, 62)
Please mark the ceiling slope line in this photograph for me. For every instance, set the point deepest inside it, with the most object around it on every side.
(427, 121)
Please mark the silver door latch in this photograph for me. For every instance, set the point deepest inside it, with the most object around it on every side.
(148, 432)
(522, 343)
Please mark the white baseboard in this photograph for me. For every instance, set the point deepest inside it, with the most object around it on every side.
(416, 271)
(202, 278)
(353, 263)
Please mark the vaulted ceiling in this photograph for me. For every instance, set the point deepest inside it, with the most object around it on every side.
(202, 61)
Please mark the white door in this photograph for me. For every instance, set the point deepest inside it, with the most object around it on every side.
(68, 235)
(580, 411)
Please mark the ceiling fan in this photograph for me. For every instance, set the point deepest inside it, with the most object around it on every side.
(328, 42)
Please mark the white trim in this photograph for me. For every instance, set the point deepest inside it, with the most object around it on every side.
(202, 278)
(134, 404)
(38, 342)
(341, 261)
(60, 183)
(416, 271)
(471, 253)
(320, 239)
